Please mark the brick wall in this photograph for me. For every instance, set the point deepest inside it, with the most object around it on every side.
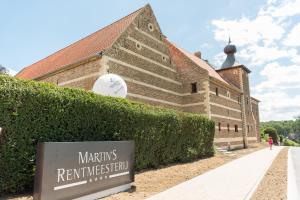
(158, 73)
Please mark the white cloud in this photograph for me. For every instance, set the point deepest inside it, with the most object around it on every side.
(293, 38)
(258, 55)
(12, 72)
(278, 105)
(266, 41)
(283, 9)
(247, 31)
(279, 78)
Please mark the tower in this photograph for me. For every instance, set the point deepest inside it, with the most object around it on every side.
(237, 74)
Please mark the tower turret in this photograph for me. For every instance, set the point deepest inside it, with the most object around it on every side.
(230, 61)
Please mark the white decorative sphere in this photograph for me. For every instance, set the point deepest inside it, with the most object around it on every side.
(110, 85)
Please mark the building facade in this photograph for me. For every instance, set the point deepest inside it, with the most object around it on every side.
(159, 73)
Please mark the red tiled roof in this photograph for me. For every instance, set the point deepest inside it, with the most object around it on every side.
(201, 63)
(79, 50)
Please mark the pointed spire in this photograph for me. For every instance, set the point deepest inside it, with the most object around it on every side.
(229, 41)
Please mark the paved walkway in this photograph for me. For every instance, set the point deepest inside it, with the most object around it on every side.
(294, 173)
(236, 180)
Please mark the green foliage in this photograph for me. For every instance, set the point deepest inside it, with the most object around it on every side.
(282, 127)
(285, 128)
(281, 138)
(271, 132)
(32, 112)
(266, 137)
(287, 142)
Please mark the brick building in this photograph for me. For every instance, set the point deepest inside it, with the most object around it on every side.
(159, 73)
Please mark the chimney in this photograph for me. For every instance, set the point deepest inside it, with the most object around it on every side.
(198, 54)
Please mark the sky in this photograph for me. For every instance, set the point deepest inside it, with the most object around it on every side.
(265, 32)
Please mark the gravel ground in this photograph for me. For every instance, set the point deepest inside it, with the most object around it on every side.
(274, 184)
(150, 182)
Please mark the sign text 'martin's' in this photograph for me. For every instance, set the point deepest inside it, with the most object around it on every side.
(103, 164)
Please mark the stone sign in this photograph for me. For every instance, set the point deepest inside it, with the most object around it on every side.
(83, 170)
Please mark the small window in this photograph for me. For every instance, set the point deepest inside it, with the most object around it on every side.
(164, 58)
(236, 128)
(150, 27)
(228, 112)
(228, 127)
(138, 46)
(234, 71)
(248, 127)
(219, 126)
(217, 91)
(228, 94)
(239, 99)
(247, 100)
(194, 87)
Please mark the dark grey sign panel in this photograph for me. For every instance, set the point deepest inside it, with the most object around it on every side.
(68, 170)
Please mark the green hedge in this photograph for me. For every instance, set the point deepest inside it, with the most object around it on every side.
(32, 112)
(287, 142)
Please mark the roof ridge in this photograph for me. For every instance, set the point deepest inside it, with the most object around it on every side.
(192, 55)
(81, 39)
(187, 53)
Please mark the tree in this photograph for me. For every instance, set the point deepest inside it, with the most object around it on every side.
(272, 133)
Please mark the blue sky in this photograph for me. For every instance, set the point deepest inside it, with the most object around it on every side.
(266, 33)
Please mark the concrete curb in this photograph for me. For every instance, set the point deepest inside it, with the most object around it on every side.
(292, 193)
(259, 179)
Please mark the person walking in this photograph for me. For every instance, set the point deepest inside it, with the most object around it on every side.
(270, 142)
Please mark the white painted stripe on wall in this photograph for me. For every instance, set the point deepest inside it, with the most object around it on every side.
(150, 36)
(225, 128)
(232, 139)
(143, 71)
(159, 88)
(152, 99)
(132, 81)
(79, 79)
(220, 95)
(150, 86)
(163, 101)
(119, 174)
(150, 48)
(192, 104)
(189, 94)
(252, 138)
(69, 185)
(225, 117)
(147, 59)
(219, 105)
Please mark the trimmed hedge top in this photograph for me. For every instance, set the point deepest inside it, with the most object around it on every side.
(32, 112)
